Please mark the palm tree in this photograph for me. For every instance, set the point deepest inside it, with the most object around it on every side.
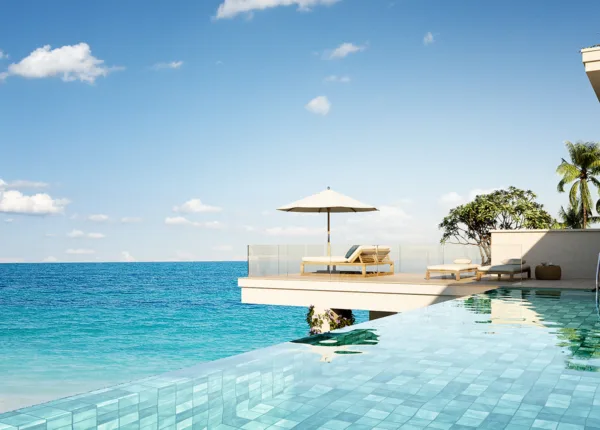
(572, 217)
(585, 163)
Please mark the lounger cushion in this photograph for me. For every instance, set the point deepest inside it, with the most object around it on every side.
(452, 267)
(325, 260)
(513, 261)
(351, 250)
(368, 249)
(462, 261)
(504, 268)
(382, 251)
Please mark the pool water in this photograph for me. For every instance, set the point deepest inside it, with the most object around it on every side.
(514, 359)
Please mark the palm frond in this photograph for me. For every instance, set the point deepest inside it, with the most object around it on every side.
(594, 181)
(568, 171)
(585, 197)
(593, 219)
(572, 150)
(573, 194)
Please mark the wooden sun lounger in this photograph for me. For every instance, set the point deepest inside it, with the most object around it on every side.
(454, 269)
(504, 269)
(363, 256)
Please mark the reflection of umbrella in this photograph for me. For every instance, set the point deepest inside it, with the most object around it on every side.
(327, 201)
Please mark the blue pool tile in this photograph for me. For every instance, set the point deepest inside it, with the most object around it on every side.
(543, 424)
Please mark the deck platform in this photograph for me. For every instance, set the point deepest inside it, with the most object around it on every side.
(393, 293)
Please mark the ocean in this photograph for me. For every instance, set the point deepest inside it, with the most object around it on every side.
(71, 328)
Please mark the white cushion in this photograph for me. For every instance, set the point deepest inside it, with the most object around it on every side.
(504, 268)
(513, 261)
(462, 261)
(369, 249)
(325, 260)
(452, 267)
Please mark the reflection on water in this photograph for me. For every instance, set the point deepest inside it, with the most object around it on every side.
(574, 321)
(328, 344)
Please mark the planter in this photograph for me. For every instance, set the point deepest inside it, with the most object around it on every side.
(548, 273)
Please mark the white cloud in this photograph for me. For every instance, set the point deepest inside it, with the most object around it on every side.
(319, 105)
(11, 260)
(50, 234)
(50, 259)
(8, 220)
(127, 257)
(294, 231)
(3, 55)
(391, 223)
(75, 234)
(195, 206)
(231, 8)
(338, 79)
(21, 184)
(171, 65)
(179, 220)
(428, 39)
(130, 220)
(98, 218)
(80, 251)
(343, 51)
(96, 236)
(249, 228)
(453, 199)
(70, 63)
(37, 204)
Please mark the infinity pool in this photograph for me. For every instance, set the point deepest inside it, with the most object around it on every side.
(513, 359)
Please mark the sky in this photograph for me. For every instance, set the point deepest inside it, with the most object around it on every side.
(166, 131)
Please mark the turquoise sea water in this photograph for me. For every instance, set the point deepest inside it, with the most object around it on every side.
(69, 328)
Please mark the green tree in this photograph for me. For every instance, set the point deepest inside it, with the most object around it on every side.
(510, 209)
(584, 165)
(572, 216)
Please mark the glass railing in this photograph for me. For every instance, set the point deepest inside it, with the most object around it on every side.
(370, 260)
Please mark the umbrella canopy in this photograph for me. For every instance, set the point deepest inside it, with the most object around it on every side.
(327, 201)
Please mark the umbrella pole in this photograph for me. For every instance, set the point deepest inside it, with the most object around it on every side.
(328, 237)
(328, 232)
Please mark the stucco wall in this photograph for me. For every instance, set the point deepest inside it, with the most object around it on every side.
(576, 251)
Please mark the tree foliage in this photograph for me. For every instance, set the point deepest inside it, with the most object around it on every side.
(510, 209)
(581, 171)
(572, 216)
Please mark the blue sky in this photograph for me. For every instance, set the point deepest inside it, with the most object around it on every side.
(130, 109)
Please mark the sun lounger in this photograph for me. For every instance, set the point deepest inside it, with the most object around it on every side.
(461, 265)
(357, 256)
(509, 267)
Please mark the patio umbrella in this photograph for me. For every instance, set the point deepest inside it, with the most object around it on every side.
(330, 202)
